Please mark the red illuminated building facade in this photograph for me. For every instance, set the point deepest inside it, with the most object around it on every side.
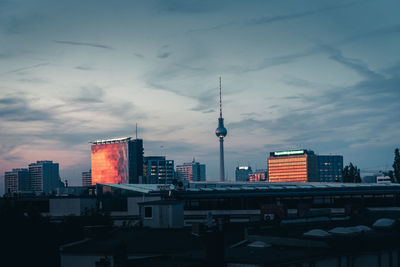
(117, 161)
(260, 175)
(292, 166)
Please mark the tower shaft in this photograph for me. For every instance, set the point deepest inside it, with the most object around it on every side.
(221, 160)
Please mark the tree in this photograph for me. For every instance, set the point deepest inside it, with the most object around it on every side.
(390, 174)
(396, 166)
(351, 174)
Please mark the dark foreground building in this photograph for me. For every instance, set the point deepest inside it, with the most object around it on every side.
(345, 244)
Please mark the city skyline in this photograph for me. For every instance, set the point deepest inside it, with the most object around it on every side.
(307, 74)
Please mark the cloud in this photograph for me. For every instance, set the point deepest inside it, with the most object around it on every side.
(187, 7)
(92, 94)
(209, 111)
(14, 23)
(206, 99)
(363, 114)
(27, 68)
(393, 29)
(354, 64)
(95, 45)
(138, 55)
(163, 55)
(212, 28)
(19, 109)
(83, 67)
(271, 19)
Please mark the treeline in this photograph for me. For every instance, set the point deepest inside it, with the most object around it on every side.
(351, 174)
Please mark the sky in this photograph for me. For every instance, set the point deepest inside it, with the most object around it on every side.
(313, 74)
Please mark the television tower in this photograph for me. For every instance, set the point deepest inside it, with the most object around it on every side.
(221, 133)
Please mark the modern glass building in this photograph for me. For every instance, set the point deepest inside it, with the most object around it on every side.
(329, 168)
(117, 161)
(191, 171)
(158, 170)
(44, 176)
(292, 166)
(242, 173)
(87, 178)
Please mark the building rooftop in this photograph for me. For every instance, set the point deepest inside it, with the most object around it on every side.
(265, 188)
(110, 141)
(142, 188)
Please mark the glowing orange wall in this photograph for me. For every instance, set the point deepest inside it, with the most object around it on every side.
(110, 163)
(287, 169)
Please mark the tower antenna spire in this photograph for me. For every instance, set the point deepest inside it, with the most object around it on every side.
(220, 98)
(136, 130)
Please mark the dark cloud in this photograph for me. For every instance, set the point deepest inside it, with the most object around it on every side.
(19, 109)
(95, 45)
(163, 55)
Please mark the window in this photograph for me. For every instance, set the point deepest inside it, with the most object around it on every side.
(148, 212)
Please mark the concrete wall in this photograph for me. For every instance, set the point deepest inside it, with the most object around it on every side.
(132, 203)
(176, 217)
(154, 221)
(164, 216)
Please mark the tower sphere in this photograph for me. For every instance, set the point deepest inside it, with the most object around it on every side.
(221, 132)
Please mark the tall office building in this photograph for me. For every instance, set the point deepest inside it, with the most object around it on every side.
(16, 180)
(292, 166)
(158, 170)
(87, 178)
(329, 168)
(117, 161)
(221, 132)
(242, 173)
(191, 171)
(44, 176)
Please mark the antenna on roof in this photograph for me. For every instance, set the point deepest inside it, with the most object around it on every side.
(136, 130)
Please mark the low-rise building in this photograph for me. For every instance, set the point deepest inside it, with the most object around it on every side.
(191, 171)
(158, 170)
(242, 173)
